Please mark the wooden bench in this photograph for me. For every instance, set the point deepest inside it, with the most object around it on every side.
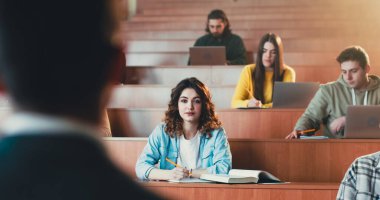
(252, 123)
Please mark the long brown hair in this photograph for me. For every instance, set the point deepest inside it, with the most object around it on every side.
(258, 74)
(208, 119)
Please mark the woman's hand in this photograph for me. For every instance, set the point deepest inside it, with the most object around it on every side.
(255, 103)
(178, 173)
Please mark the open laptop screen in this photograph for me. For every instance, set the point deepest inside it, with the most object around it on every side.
(293, 95)
(362, 122)
(208, 55)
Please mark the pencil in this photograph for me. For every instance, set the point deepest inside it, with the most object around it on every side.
(307, 131)
(173, 163)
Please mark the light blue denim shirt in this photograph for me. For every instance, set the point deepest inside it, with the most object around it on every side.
(214, 152)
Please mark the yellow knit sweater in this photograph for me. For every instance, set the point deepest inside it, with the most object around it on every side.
(245, 87)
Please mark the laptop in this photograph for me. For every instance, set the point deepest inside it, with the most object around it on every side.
(293, 95)
(208, 55)
(362, 122)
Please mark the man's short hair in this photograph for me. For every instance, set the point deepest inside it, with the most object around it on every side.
(55, 56)
(354, 53)
(219, 14)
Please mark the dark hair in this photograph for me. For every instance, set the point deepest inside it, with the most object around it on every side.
(54, 56)
(258, 74)
(208, 119)
(354, 53)
(219, 14)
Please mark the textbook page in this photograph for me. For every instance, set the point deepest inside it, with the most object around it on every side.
(263, 176)
(226, 178)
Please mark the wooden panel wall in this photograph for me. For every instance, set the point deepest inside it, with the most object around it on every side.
(293, 191)
(290, 160)
(251, 123)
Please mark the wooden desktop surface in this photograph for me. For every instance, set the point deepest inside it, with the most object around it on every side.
(294, 191)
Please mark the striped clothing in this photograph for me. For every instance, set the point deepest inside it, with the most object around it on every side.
(362, 180)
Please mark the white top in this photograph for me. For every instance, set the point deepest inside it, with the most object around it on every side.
(189, 151)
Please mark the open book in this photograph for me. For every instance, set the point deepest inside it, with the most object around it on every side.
(242, 176)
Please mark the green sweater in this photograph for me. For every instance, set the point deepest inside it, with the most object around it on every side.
(331, 102)
(235, 50)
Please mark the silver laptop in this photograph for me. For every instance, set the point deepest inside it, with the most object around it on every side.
(293, 95)
(362, 122)
(208, 55)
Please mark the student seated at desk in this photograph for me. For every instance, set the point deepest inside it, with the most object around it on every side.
(219, 33)
(190, 142)
(255, 86)
(355, 86)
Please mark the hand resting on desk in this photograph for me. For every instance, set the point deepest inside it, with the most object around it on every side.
(173, 174)
(255, 103)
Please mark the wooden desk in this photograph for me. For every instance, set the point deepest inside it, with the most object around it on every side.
(220, 75)
(290, 160)
(292, 45)
(257, 24)
(223, 4)
(181, 58)
(246, 34)
(252, 123)
(158, 96)
(291, 191)
(243, 7)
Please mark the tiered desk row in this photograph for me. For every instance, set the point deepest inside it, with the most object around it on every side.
(314, 167)
(220, 76)
(313, 33)
(255, 123)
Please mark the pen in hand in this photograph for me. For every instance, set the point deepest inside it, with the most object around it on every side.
(189, 173)
(173, 163)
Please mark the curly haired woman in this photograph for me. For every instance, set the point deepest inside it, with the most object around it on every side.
(190, 142)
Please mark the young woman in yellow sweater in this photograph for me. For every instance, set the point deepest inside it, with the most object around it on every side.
(255, 86)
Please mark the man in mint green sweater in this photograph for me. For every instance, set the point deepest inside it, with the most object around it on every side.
(353, 87)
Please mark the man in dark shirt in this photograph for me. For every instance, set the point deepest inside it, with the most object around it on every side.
(57, 61)
(219, 34)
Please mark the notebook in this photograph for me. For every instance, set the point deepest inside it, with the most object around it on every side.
(362, 122)
(242, 176)
(208, 55)
(189, 180)
(293, 95)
